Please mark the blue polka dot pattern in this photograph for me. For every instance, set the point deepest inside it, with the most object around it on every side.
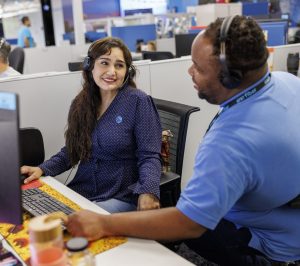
(125, 159)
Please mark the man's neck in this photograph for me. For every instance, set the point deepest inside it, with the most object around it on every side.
(250, 78)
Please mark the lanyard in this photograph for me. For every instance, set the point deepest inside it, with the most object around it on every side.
(241, 98)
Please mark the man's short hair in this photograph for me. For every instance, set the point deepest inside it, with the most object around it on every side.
(245, 43)
(24, 19)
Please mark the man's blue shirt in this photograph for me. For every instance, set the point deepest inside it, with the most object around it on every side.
(248, 167)
(24, 32)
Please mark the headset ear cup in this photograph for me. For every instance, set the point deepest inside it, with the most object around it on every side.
(236, 77)
(231, 79)
(86, 63)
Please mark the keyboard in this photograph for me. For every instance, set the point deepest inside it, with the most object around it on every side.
(38, 202)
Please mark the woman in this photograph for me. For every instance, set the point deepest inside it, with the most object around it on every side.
(5, 69)
(113, 133)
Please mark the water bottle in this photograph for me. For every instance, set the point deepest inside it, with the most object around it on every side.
(78, 253)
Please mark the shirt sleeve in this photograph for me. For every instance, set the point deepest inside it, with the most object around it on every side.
(57, 164)
(26, 33)
(219, 180)
(148, 132)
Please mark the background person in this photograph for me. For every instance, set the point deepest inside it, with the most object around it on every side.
(5, 69)
(151, 46)
(25, 39)
(114, 133)
(234, 208)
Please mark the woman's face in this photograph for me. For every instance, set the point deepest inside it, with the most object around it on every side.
(109, 70)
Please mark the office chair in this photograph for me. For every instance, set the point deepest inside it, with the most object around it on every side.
(31, 146)
(16, 59)
(156, 55)
(175, 117)
(75, 66)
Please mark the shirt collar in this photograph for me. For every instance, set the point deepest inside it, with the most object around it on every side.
(244, 91)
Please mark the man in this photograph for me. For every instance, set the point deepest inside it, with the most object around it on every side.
(234, 209)
(5, 69)
(25, 38)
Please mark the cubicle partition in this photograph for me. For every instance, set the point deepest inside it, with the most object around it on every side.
(276, 32)
(52, 58)
(45, 99)
(130, 34)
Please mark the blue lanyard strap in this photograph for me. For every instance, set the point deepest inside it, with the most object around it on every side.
(241, 98)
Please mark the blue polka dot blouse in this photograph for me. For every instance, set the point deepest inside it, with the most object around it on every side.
(126, 144)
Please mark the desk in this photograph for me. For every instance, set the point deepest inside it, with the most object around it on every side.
(134, 252)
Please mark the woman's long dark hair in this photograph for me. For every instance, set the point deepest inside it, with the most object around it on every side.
(83, 112)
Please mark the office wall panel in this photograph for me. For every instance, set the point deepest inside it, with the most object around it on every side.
(44, 103)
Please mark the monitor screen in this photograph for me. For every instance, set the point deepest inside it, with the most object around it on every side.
(130, 12)
(10, 183)
(183, 43)
(131, 35)
(157, 6)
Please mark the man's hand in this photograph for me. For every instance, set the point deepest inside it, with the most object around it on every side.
(148, 202)
(86, 224)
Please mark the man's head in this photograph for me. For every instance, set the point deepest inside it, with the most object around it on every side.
(4, 51)
(245, 51)
(26, 21)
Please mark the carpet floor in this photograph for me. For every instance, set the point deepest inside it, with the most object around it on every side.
(185, 252)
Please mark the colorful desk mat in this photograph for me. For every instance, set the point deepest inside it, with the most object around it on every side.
(18, 238)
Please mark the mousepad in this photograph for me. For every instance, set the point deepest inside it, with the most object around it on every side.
(18, 238)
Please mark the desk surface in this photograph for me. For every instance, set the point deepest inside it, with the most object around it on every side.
(134, 251)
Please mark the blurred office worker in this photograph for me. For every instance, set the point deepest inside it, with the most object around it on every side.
(5, 69)
(113, 133)
(25, 38)
(236, 208)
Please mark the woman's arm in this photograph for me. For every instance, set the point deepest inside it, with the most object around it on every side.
(57, 164)
(147, 133)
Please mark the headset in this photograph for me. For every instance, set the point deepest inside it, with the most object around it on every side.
(230, 78)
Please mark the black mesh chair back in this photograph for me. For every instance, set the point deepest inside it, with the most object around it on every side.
(16, 59)
(156, 55)
(31, 147)
(75, 66)
(174, 117)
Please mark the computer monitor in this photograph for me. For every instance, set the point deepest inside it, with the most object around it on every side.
(130, 34)
(183, 43)
(10, 182)
(130, 12)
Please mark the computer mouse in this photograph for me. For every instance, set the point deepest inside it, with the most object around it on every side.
(23, 177)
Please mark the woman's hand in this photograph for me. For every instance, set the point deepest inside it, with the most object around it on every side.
(33, 173)
(148, 202)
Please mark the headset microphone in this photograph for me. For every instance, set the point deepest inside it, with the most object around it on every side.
(128, 75)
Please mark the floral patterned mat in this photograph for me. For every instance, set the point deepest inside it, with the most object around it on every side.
(18, 238)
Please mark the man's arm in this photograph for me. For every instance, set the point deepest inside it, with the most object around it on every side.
(164, 224)
(26, 42)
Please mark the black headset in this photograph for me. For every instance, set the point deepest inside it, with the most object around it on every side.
(230, 78)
